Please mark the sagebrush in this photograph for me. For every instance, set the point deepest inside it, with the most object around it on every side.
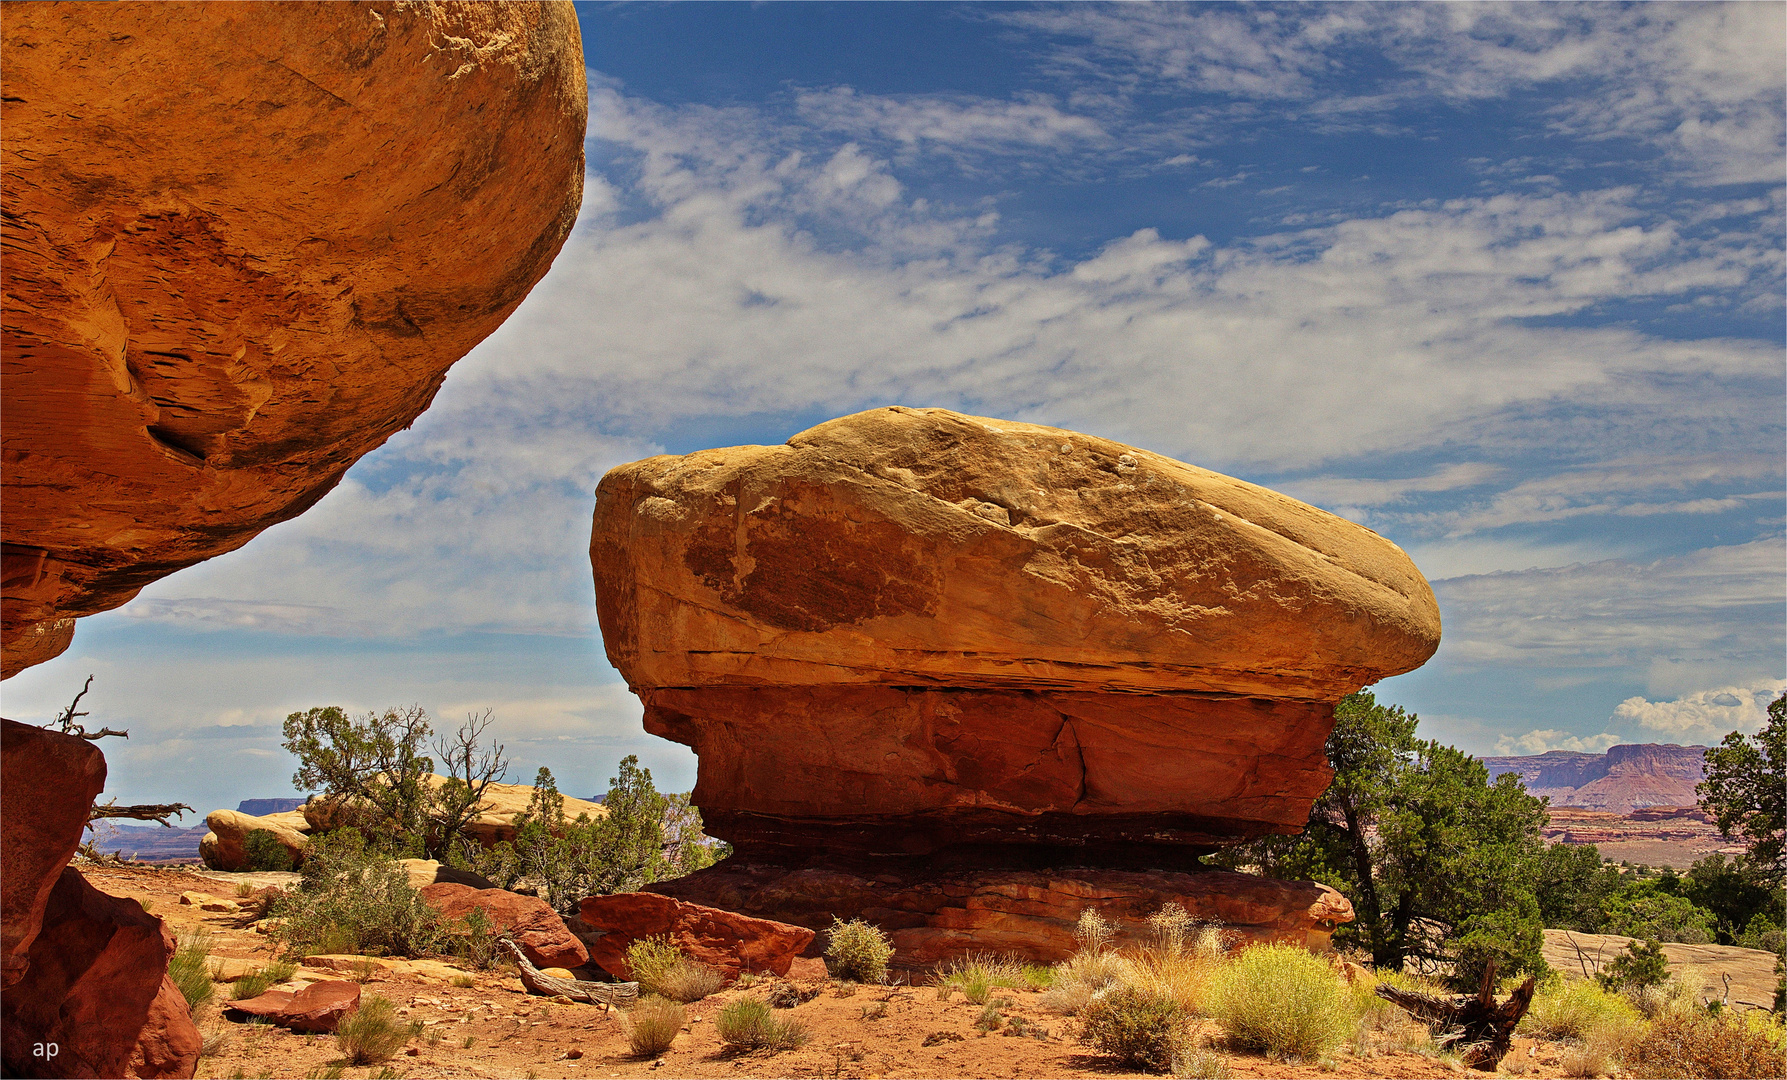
(857, 951)
(653, 1024)
(1283, 1000)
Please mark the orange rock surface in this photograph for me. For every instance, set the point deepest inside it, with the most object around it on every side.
(909, 629)
(244, 242)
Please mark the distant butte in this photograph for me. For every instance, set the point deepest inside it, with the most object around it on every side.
(1624, 779)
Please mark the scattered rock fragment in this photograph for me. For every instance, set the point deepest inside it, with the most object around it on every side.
(319, 1007)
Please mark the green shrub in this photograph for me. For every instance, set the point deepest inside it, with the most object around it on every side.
(1701, 1044)
(750, 1024)
(264, 851)
(373, 1032)
(1284, 1000)
(653, 1024)
(857, 951)
(1639, 966)
(190, 968)
(1513, 941)
(476, 943)
(1660, 917)
(1575, 1008)
(355, 901)
(1139, 1029)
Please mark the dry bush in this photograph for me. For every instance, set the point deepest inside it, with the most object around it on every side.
(1702, 1044)
(653, 1024)
(1601, 1052)
(1138, 1028)
(1673, 996)
(649, 959)
(857, 951)
(749, 1024)
(373, 1032)
(977, 974)
(1283, 1000)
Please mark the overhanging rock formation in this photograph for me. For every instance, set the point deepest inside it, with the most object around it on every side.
(244, 242)
(944, 642)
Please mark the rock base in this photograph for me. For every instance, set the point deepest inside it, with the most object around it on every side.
(933, 914)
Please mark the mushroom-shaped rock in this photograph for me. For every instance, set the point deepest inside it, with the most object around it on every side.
(499, 808)
(244, 244)
(909, 630)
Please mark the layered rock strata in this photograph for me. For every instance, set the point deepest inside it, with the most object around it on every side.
(932, 915)
(244, 244)
(960, 675)
(909, 630)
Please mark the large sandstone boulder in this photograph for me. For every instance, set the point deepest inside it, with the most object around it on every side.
(932, 914)
(244, 244)
(48, 782)
(910, 630)
(499, 810)
(726, 941)
(528, 920)
(225, 846)
(97, 987)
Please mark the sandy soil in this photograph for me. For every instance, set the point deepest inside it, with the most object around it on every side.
(495, 1029)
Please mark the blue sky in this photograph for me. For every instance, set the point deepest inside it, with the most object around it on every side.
(1504, 283)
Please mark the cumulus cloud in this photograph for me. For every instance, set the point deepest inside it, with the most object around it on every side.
(1707, 714)
(1545, 740)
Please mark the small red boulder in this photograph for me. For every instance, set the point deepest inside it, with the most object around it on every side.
(169, 1045)
(724, 940)
(528, 920)
(319, 1007)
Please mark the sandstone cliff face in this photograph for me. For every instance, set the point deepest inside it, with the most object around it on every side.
(244, 242)
(1623, 779)
(910, 629)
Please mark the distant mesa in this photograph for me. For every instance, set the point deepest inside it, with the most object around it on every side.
(262, 807)
(926, 643)
(244, 244)
(1624, 779)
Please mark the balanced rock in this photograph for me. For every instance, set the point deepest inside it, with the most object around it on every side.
(244, 244)
(528, 920)
(909, 630)
(724, 940)
(225, 847)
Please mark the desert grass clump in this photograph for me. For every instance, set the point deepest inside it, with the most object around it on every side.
(750, 1024)
(1283, 1000)
(1138, 1028)
(1705, 1044)
(660, 968)
(653, 1025)
(977, 974)
(857, 951)
(255, 983)
(190, 969)
(1080, 978)
(1574, 1009)
(373, 1032)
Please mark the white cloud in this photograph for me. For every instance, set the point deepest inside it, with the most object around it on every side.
(1708, 714)
(924, 123)
(1542, 741)
(1701, 81)
(1715, 606)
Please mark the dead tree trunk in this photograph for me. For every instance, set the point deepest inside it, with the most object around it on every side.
(1474, 1025)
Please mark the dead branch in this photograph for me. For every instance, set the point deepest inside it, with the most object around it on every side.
(66, 724)
(614, 995)
(1473, 1024)
(156, 812)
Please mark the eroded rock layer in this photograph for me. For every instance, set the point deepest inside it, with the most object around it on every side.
(909, 630)
(932, 915)
(244, 242)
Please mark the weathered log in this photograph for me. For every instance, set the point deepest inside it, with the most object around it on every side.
(1480, 1030)
(619, 995)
